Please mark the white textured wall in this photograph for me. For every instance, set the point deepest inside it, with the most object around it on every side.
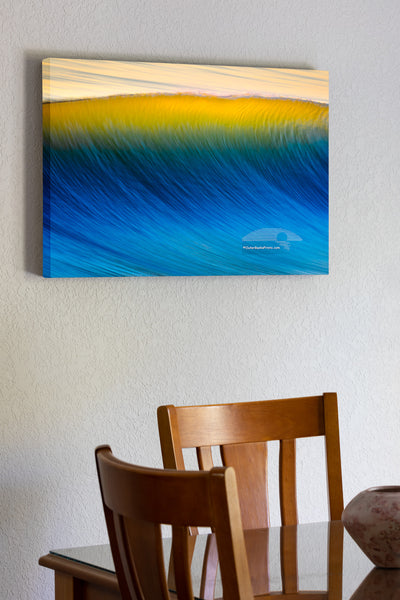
(87, 361)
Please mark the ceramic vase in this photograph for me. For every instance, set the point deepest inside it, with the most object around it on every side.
(372, 519)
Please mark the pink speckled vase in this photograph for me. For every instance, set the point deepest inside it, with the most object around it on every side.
(372, 519)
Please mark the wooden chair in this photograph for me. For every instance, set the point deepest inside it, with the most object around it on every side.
(137, 500)
(242, 431)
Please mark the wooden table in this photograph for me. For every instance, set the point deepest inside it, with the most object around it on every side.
(312, 561)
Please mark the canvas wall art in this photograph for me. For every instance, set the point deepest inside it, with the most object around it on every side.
(154, 169)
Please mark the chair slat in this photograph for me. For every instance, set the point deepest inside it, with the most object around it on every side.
(142, 553)
(204, 458)
(250, 464)
(287, 482)
(182, 561)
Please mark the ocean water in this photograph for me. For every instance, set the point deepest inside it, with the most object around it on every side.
(154, 186)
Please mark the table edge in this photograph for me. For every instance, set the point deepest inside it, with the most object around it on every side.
(80, 571)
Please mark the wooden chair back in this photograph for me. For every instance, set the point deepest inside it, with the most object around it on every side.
(137, 500)
(242, 431)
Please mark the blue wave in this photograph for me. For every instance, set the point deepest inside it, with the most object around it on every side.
(182, 206)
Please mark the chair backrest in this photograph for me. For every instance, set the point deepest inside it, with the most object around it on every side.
(137, 500)
(242, 431)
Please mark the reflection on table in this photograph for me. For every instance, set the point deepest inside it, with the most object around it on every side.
(311, 561)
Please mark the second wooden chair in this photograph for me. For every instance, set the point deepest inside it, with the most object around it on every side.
(242, 431)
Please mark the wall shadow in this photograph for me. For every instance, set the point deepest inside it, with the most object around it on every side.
(32, 165)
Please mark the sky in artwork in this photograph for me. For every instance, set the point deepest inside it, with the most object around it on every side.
(71, 79)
